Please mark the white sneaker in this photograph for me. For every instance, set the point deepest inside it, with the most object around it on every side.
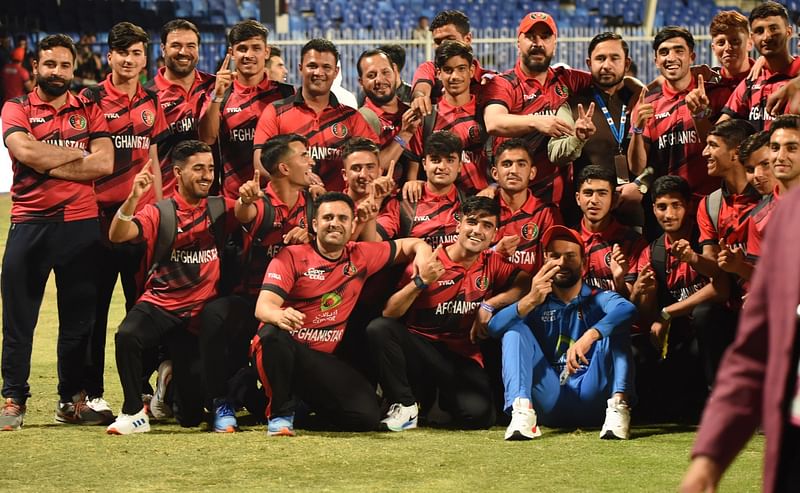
(101, 407)
(523, 421)
(130, 423)
(159, 408)
(400, 417)
(618, 420)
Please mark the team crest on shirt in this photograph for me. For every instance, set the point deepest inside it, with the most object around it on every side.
(339, 130)
(148, 118)
(482, 283)
(349, 269)
(329, 301)
(474, 133)
(607, 259)
(78, 122)
(562, 90)
(530, 231)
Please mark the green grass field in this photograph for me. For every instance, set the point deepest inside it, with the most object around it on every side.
(48, 457)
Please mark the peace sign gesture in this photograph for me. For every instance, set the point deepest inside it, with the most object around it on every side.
(697, 101)
(367, 209)
(584, 126)
(384, 185)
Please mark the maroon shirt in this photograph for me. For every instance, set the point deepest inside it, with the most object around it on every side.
(528, 222)
(598, 253)
(434, 220)
(426, 72)
(682, 280)
(733, 221)
(39, 198)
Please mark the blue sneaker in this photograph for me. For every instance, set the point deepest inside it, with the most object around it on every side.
(281, 426)
(224, 417)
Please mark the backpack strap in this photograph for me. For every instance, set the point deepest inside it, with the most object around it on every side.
(286, 90)
(372, 119)
(658, 260)
(165, 235)
(713, 206)
(216, 212)
(310, 211)
(266, 224)
(407, 212)
(428, 123)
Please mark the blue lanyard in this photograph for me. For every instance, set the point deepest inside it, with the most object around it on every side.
(618, 133)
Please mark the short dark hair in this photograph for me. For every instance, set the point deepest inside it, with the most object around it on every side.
(276, 149)
(185, 149)
(244, 30)
(790, 122)
(369, 53)
(671, 184)
(733, 131)
(359, 144)
(670, 32)
(274, 51)
(513, 143)
(751, 144)
(449, 49)
(726, 20)
(455, 17)
(482, 206)
(633, 68)
(334, 197)
(443, 143)
(320, 45)
(396, 53)
(178, 25)
(768, 9)
(125, 34)
(55, 40)
(596, 172)
(607, 36)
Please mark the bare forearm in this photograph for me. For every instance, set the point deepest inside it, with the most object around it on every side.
(155, 170)
(96, 165)
(505, 125)
(44, 157)
(685, 307)
(245, 213)
(637, 154)
(401, 301)
(209, 124)
(124, 230)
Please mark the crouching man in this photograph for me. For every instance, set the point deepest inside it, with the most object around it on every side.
(566, 348)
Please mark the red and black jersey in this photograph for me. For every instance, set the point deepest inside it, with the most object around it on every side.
(134, 124)
(263, 250)
(39, 198)
(237, 128)
(181, 110)
(323, 289)
(524, 95)
(682, 280)
(391, 123)
(326, 132)
(675, 148)
(731, 81)
(185, 283)
(465, 123)
(749, 100)
(733, 218)
(434, 218)
(445, 311)
(426, 72)
(759, 219)
(598, 253)
(528, 222)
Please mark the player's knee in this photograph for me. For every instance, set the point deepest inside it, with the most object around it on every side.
(379, 330)
(475, 411)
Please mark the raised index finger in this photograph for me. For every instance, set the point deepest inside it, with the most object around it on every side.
(642, 95)
(701, 84)
(390, 169)
(581, 113)
(256, 177)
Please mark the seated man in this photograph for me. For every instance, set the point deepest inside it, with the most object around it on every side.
(433, 346)
(308, 294)
(183, 279)
(566, 348)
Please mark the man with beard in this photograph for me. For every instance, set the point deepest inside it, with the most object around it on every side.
(239, 99)
(178, 285)
(393, 121)
(667, 134)
(424, 340)
(316, 114)
(136, 124)
(770, 33)
(523, 102)
(182, 90)
(566, 348)
(58, 144)
(308, 294)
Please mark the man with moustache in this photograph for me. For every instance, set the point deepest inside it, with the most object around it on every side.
(316, 114)
(136, 123)
(523, 102)
(770, 33)
(238, 100)
(566, 348)
(59, 144)
(182, 90)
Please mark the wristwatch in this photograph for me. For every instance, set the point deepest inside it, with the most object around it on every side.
(419, 283)
(665, 316)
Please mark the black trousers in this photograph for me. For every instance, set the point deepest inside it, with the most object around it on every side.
(112, 261)
(33, 250)
(144, 327)
(227, 326)
(291, 371)
(405, 360)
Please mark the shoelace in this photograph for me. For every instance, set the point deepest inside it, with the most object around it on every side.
(11, 408)
(395, 410)
(225, 410)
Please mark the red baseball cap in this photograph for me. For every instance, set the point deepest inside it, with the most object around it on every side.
(559, 232)
(18, 54)
(533, 18)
